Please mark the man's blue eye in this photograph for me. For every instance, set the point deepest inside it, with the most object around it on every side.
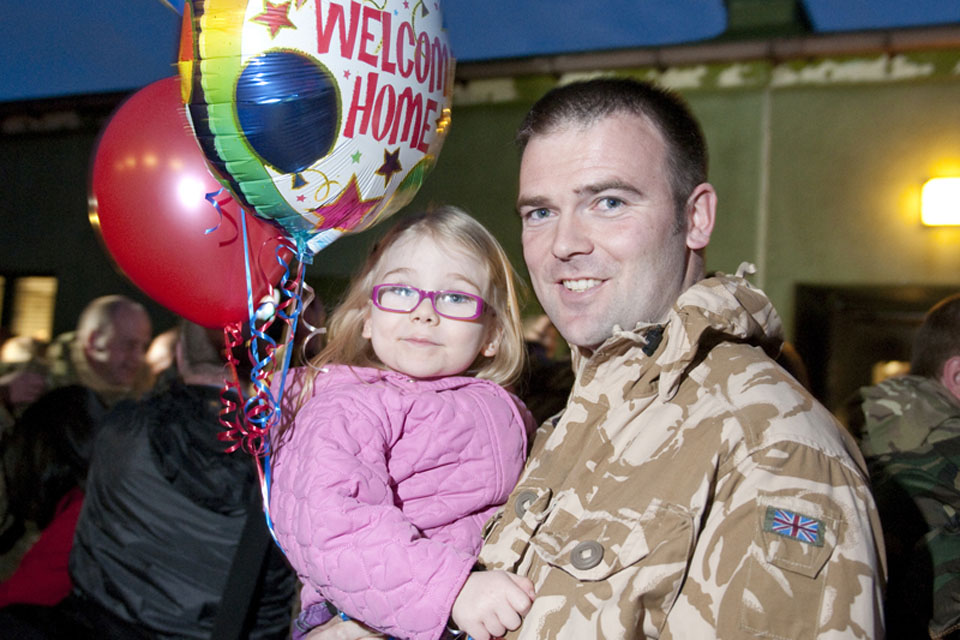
(537, 214)
(611, 203)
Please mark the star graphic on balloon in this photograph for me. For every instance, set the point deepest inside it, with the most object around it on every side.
(390, 166)
(347, 211)
(275, 17)
(356, 157)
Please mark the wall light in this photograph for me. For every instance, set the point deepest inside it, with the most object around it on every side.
(940, 202)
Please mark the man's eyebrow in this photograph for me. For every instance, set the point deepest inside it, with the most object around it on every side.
(590, 189)
(610, 185)
(533, 201)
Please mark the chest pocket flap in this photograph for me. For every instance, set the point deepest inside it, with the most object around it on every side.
(638, 559)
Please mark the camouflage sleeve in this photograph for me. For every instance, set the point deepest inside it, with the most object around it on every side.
(790, 549)
(918, 498)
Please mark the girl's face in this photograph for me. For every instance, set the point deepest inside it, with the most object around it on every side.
(422, 343)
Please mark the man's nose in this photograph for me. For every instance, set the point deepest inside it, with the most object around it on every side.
(424, 312)
(571, 236)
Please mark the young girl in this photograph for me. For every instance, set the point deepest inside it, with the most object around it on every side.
(404, 443)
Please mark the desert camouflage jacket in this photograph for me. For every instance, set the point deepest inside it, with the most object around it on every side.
(693, 489)
(910, 433)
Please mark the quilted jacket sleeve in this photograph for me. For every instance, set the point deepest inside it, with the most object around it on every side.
(336, 519)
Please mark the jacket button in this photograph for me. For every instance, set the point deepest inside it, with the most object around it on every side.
(524, 500)
(586, 555)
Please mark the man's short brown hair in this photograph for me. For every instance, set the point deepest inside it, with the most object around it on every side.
(938, 338)
(585, 103)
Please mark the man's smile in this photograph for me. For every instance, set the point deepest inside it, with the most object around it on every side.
(581, 284)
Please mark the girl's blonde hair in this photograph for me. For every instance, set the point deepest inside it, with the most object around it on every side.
(451, 225)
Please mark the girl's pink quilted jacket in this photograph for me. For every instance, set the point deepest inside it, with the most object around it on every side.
(379, 492)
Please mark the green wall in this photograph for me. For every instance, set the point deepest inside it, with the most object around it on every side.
(845, 176)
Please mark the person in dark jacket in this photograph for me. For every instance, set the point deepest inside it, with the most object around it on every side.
(163, 521)
(45, 458)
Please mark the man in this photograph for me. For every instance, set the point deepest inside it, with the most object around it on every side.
(18, 389)
(105, 355)
(170, 522)
(106, 352)
(909, 429)
(691, 488)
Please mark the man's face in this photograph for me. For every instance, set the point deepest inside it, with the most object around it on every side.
(117, 352)
(599, 227)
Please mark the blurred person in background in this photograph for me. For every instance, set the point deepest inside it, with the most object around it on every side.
(107, 351)
(161, 356)
(45, 460)
(909, 430)
(547, 378)
(22, 376)
(20, 350)
(171, 541)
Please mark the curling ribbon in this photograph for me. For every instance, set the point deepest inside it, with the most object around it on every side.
(248, 429)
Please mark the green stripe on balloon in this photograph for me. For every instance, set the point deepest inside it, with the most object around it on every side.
(220, 50)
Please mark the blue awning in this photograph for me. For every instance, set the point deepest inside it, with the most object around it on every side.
(49, 48)
(859, 15)
(494, 29)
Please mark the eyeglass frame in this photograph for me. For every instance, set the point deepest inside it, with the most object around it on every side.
(431, 295)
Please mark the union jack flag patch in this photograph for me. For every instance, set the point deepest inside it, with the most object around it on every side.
(797, 526)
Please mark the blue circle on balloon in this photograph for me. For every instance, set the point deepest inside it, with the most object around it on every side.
(288, 108)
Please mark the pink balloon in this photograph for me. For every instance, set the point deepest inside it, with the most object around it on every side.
(148, 189)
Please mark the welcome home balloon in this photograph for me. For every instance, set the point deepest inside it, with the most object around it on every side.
(322, 116)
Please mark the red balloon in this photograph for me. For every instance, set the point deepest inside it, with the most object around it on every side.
(149, 183)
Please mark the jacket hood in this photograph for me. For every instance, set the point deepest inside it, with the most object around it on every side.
(722, 308)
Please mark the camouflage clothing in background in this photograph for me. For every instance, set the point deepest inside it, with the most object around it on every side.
(692, 489)
(910, 433)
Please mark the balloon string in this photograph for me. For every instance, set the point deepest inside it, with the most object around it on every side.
(248, 429)
(212, 199)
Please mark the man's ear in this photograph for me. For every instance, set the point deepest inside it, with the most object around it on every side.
(701, 214)
(951, 376)
(90, 344)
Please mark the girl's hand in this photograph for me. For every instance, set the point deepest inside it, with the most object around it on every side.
(337, 629)
(491, 603)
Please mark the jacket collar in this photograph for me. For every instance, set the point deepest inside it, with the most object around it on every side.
(723, 308)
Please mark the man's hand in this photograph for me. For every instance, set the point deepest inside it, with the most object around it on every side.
(22, 387)
(337, 629)
(491, 603)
